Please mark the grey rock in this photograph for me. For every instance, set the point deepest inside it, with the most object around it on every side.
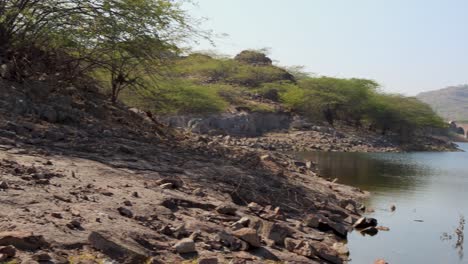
(184, 246)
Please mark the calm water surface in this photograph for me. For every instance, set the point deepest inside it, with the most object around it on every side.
(432, 187)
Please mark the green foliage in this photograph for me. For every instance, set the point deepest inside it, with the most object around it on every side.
(358, 102)
(178, 97)
(345, 99)
(401, 114)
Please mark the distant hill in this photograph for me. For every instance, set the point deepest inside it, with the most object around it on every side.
(451, 102)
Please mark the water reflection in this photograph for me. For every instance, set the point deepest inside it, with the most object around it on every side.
(430, 187)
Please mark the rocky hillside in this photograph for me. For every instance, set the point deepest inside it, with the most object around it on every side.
(451, 102)
(84, 181)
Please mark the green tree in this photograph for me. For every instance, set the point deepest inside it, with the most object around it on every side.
(125, 38)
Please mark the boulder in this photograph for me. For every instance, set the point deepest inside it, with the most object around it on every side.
(23, 240)
(248, 235)
(117, 249)
(324, 224)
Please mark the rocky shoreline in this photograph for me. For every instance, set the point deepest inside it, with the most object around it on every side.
(85, 181)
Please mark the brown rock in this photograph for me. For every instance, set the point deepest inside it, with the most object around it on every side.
(248, 235)
(117, 249)
(23, 240)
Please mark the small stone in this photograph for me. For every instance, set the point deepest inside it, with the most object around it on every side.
(185, 246)
(383, 228)
(75, 213)
(57, 215)
(393, 208)
(136, 195)
(248, 235)
(3, 185)
(125, 212)
(127, 203)
(75, 224)
(107, 194)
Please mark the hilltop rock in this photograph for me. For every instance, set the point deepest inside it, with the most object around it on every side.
(254, 58)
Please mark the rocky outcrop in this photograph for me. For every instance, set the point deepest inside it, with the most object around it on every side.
(253, 58)
(239, 124)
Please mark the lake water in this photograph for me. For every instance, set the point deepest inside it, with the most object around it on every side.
(431, 188)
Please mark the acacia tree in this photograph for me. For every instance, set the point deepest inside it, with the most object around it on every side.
(125, 38)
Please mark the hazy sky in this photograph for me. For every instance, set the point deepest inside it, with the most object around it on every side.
(408, 46)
